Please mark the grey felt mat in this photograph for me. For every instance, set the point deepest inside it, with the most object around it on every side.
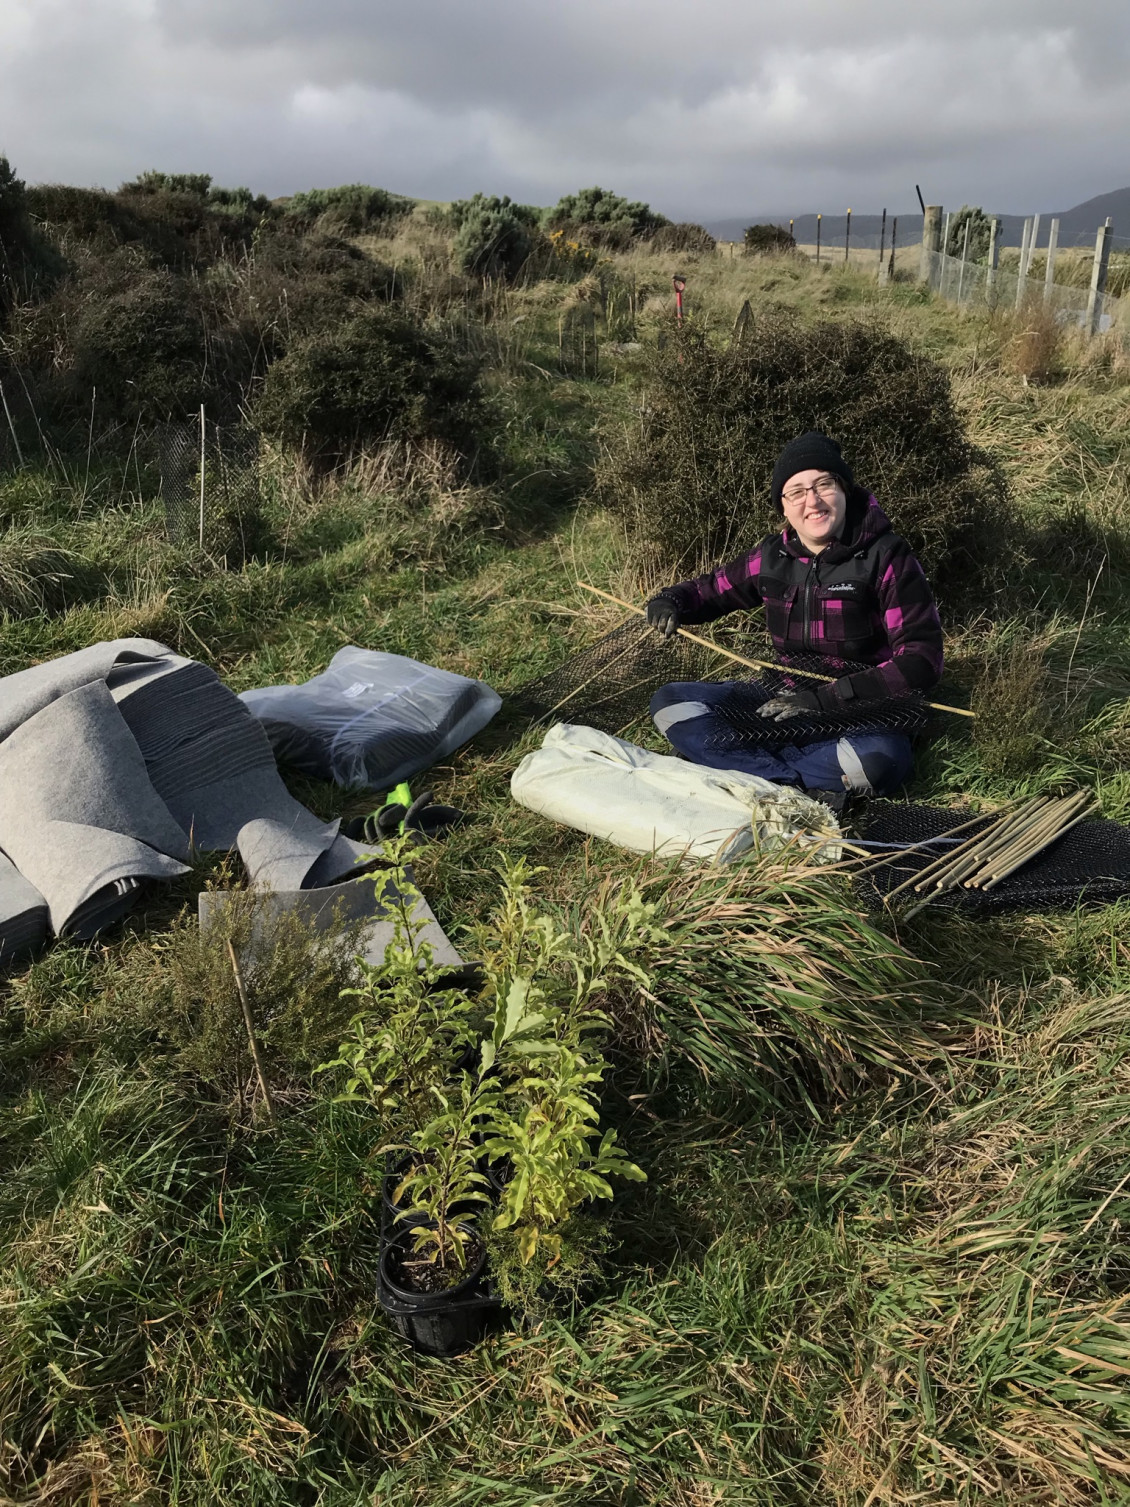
(77, 811)
(358, 900)
(23, 915)
(114, 763)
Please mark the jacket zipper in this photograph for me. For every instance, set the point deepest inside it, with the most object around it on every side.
(809, 590)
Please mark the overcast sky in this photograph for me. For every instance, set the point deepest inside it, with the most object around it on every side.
(706, 109)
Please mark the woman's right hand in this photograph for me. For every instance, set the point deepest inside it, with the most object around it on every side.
(663, 615)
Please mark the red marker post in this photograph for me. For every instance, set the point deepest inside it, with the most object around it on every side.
(679, 283)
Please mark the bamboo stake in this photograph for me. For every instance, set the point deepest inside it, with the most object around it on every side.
(1048, 820)
(935, 867)
(1083, 815)
(249, 1023)
(949, 862)
(751, 664)
(1008, 834)
(926, 842)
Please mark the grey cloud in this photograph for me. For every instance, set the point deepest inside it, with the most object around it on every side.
(721, 107)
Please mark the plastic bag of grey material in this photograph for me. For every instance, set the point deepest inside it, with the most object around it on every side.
(372, 719)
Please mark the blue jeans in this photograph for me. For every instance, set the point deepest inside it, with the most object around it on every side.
(864, 762)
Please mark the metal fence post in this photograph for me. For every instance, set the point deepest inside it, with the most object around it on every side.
(1049, 270)
(931, 239)
(1098, 278)
(847, 237)
(818, 219)
(882, 245)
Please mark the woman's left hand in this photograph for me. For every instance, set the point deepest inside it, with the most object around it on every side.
(789, 704)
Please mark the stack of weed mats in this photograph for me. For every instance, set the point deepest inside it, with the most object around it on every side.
(117, 761)
(1091, 862)
(610, 684)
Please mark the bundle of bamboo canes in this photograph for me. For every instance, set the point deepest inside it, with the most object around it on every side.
(1012, 838)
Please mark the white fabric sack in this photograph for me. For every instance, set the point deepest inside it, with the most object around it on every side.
(372, 719)
(653, 803)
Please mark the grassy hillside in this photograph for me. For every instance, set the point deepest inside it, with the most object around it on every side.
(913, 1291)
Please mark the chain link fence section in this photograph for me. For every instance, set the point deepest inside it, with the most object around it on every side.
(210, 487)
(976, 285)
(578, 354)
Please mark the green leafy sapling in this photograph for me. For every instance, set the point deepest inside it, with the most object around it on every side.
(410, 1029)
(444, 1186)
(545, 979)
(548, 1133)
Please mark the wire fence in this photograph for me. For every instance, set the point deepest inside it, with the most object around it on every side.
(210, 485)
(977, 285)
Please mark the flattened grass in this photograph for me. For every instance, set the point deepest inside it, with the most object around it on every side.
(917, 1296)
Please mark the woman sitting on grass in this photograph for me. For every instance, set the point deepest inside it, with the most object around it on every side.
(837, 583)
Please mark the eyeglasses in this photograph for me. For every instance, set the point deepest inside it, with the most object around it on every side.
(825, 488)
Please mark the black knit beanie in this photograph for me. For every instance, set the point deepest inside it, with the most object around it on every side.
(811, 452)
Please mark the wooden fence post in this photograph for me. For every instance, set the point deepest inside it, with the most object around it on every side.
(1098, 278)
(894, 238)
(931, 241)
(818, 220)
(994, 257)
(1049, 271)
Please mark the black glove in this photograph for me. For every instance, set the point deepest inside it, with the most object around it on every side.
(790, 704)
(663, 615)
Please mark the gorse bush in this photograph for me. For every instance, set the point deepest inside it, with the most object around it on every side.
(142, 348)
(979, 234)
(690, 478)
(27, 261)
(603, 218)
(378, 377)
(494, 237)
(351, 207)
(685, 237)
(762, 238)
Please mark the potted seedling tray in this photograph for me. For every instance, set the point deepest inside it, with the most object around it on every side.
(443, 1323)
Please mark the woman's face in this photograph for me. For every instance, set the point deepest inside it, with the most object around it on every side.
(815, 504)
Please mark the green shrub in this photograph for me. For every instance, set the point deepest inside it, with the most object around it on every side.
(27, 262)
(979, 232)
(143, 348)
(685, 237)
(605, 218)
(377, 377)
(197, 185)
(351, 207)
(762, 238)
(180, 985)
(690, 478)
(494, 237)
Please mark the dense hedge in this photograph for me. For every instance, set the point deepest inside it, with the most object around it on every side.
(690, 479)
(377, 377)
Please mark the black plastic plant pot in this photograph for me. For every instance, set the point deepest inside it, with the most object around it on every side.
(436, 1323)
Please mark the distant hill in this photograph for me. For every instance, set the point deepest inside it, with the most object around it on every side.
(1076, 226)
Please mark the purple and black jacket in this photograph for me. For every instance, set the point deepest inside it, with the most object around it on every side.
(864, 598)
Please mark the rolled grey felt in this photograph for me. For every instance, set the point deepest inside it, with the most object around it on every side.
(112, 758)
(23, 915)
(77, 810)
(29, 691)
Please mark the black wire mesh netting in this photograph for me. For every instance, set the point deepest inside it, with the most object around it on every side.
(610, 684)
(747, 729)
(1090, 862)
(220, 510)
